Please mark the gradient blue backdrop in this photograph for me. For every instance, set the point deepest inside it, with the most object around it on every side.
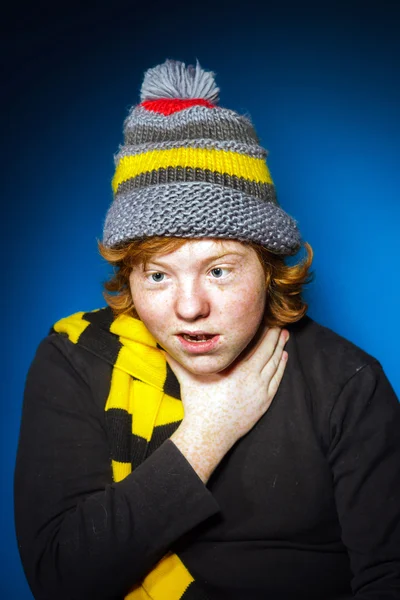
(321, 83)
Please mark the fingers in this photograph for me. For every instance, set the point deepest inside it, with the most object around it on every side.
(275, 363)
(277, 376)
(261, 346)
(271, 340)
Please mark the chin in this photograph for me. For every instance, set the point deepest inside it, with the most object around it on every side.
(205, 365)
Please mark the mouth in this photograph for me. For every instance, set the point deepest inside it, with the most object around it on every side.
(197, 338)
(198, 342)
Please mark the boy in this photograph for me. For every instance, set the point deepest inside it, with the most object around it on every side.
(168, 448)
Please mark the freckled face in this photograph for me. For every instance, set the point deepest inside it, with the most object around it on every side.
(203, 302)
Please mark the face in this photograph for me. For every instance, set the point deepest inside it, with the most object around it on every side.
(203, 302)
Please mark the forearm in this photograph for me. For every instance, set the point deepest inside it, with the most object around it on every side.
(113, 537)
(80, 534)
(203, 447)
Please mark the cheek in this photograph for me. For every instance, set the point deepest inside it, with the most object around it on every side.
(152, 309)
(145, 306)
(247, 309)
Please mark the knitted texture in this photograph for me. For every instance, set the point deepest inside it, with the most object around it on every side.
(142, 410)
(189, 168)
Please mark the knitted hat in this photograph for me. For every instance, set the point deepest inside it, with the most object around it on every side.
(189, 168)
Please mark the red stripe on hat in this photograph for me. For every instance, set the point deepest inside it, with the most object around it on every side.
(168, 106)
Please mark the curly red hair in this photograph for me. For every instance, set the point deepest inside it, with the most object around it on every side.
(285, 283)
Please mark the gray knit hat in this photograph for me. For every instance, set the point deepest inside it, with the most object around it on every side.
(189, 168)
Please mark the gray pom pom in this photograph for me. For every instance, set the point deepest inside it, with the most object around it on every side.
(173, 79)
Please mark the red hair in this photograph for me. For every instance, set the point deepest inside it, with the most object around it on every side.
(284, 282)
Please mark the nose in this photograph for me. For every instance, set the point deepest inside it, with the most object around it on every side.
(192, 302)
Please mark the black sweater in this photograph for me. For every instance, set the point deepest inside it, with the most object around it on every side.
(307, 505)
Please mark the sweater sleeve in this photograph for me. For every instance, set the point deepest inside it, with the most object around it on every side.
(81, 535)
(365, 460)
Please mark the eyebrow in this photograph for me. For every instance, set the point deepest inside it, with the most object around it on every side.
(209, 259)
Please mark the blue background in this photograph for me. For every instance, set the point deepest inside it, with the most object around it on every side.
(321, 83)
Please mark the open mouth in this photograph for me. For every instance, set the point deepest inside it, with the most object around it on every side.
(204, 337)
(199, 343)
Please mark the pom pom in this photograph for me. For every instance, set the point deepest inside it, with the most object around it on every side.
(173, 79)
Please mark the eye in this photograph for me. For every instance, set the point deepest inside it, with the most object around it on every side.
(218, 272)
(157, 277)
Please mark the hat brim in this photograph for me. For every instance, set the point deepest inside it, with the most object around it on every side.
(199, 210)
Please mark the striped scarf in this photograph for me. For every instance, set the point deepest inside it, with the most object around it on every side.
(143, 409)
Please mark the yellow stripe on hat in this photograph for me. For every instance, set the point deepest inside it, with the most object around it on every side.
(232, 163)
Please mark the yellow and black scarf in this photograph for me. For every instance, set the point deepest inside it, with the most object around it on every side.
(143, 409)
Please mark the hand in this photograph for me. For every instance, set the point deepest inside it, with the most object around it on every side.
(222, 407)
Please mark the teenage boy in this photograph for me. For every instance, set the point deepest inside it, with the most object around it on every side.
(168, 448)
